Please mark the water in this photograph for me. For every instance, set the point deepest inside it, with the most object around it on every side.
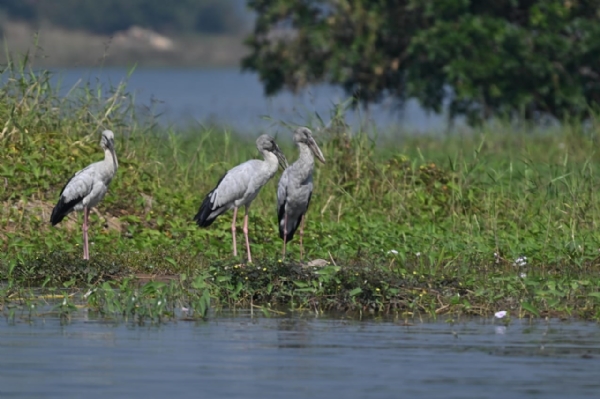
(229, 97)
(299, 357)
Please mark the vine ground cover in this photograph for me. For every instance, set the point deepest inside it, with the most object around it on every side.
(501, 218)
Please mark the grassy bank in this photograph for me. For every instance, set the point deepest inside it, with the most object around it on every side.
(499, 219)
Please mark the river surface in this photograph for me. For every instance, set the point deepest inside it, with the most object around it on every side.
(226, 96)
(240, 356)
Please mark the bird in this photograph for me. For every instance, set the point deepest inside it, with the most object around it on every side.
(240, 186)
(295, 187)
(87, 188)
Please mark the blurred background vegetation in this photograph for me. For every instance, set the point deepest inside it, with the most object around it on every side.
(526, 59)
(110, 16)
(535, 60)
(86, 33)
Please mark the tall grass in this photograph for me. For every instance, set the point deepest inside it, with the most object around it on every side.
(495, 214)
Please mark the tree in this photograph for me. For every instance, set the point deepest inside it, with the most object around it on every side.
(511, 58)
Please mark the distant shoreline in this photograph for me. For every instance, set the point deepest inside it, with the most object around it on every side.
(51, 47)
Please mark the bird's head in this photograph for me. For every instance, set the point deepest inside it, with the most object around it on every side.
(304, 135)
(108, 143)
(108, 140)
(266, 143)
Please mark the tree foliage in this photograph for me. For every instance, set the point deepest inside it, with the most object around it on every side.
(109, 16)
(511, 58)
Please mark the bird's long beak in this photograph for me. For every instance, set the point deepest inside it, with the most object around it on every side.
(111, 147)
(281, 158)
(312, 144)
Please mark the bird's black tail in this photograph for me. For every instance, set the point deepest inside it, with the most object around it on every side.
(62, 209)
(291, 224)
(203, 217)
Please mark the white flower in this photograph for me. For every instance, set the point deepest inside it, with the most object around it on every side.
(520, 261)
(418, 254)
(392, 251)
(500, 314)
(159, 302)
(522, 275)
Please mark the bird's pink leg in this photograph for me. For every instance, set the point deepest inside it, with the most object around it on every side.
(86, 250)
(246, 235)
(233, 231)
(284, 233)
(302, 235)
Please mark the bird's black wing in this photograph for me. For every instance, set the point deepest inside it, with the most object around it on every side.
(73, 192)
(204, 218)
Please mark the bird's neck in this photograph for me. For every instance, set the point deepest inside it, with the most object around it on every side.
(306, 156)
(304, 165)
(271, 161)
(111, 159)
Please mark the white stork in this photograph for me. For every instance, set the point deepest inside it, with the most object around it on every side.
(87, 188)
(239, 186)
(296, 186)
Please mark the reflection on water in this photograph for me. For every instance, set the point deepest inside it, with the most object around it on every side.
(299, 357)
(228, 97)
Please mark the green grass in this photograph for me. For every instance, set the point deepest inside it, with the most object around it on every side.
(409, 224)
